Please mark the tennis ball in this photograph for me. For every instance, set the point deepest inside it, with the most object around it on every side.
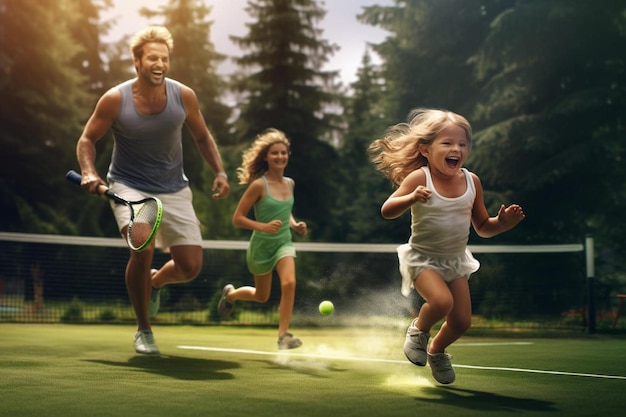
(326, 308)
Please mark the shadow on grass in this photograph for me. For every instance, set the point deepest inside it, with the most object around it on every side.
(485, 401)
(190, 369)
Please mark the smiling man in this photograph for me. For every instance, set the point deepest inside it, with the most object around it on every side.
(146, 115)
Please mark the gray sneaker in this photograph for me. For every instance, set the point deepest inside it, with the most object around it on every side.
(155, 298)
(441, 367)
(144, 343)
(416, 345)
(225, 307)
(288, 341)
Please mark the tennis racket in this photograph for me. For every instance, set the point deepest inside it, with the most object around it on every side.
(145, 215)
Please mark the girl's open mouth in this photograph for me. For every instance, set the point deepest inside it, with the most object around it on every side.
(452, 162)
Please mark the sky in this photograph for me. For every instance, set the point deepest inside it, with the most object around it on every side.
(339, 26)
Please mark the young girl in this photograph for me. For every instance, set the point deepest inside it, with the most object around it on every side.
(424, 159)
(271, 196)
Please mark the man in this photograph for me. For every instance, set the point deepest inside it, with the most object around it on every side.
(146, 116)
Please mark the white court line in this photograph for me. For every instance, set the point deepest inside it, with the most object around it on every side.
(283, 354)
(361, 359)
(461, 344)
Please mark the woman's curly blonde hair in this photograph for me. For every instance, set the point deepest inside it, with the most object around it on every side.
(254, 162)
(397, 154)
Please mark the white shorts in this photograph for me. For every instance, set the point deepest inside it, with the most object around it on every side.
(179, 225)
(412, 263)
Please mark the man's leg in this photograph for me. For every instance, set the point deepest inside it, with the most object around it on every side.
(184, 266)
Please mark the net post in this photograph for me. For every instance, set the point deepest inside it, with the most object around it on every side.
(590, 266)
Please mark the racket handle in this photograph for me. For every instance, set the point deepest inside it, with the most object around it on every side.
(76, 178)
(73, 176)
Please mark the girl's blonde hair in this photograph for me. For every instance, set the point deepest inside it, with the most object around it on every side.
(397, 154)
(254, 162)
(158, 34)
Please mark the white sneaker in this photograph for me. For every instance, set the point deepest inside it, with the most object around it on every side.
(144, 343)
(225, 307)
(288, 341)
(416, 345)
(441, 367)
(155, 298)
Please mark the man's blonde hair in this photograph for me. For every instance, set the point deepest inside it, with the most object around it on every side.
(152, 34)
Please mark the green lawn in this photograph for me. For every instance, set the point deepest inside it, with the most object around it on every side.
(92, 370)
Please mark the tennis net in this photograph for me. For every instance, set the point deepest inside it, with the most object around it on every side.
(54, 278)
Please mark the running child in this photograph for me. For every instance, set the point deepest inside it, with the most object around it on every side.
(424, 159)
(270, 195)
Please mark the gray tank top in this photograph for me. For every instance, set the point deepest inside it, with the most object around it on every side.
(147, 150)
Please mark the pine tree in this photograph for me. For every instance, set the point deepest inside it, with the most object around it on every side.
(43, 105)
(194, 59)
(194, 62)
(362, 189)
(553, 107)
(283, 85)
(89, 59)
(426, 56)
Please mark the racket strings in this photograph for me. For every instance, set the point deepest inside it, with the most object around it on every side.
(142, 228)
(147, 212)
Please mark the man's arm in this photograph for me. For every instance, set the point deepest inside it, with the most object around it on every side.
(204, 141)
(98, 124)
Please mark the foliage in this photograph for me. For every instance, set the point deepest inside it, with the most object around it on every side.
(74, 312)
(285, 88)
(426, 55)
(43, 102)
(551, 112)
(107, 315)
(89, 60)
(543, 84)
(194, 63)
(361, 188)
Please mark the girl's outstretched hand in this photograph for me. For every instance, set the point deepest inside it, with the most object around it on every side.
(509, 217)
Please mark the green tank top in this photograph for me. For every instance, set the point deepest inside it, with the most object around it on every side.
(269, 208)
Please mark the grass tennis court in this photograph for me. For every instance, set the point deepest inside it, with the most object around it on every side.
(92, 370)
